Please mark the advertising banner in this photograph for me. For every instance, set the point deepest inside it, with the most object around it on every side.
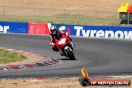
(13, 27)
(119, 32)
(38, 29)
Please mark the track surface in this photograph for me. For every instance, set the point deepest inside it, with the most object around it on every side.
(98, 56)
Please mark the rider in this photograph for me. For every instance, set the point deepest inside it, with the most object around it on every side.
(56, 34)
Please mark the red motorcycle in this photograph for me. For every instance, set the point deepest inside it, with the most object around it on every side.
(65, 46)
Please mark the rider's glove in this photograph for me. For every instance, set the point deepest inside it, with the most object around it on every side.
(67, 34)
(51, 43)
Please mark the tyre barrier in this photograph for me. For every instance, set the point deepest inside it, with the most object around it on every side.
(29, 65)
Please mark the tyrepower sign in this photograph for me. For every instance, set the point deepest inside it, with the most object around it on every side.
(80, 31)
(13, 27)
(118, 32)
(3, 29)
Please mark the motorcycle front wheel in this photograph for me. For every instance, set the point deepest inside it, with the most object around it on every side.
(70, 53)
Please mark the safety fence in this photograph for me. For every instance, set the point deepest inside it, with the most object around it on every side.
(88, 31)
(65, 16)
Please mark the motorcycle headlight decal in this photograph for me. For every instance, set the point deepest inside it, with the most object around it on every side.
(62, 41)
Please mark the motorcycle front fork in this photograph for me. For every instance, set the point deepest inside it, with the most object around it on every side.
(61, 52)
(72, 45)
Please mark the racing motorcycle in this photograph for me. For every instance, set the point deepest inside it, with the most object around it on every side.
(65, 46)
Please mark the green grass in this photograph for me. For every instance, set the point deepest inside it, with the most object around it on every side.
(8, 56)
(69, 19)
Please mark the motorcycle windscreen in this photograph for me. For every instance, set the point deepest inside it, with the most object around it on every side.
(58, 36)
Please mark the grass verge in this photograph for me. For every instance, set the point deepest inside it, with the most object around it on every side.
(8, 56)
(72, 19)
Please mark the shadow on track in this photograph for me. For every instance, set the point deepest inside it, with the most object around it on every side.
(66, 59)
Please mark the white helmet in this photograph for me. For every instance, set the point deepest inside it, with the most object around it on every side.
(52, 28)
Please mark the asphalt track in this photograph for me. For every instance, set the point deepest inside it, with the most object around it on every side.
(98, 56)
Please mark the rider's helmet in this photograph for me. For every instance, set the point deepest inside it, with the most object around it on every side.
(53, 30)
